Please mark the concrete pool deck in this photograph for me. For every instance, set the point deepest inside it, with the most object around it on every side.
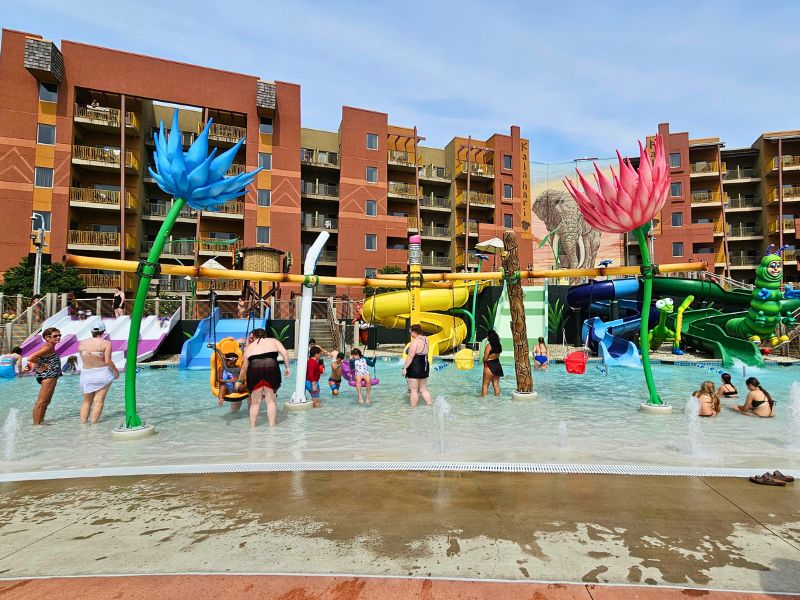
(685, 532)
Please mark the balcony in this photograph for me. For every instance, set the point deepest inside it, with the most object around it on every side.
(434, 173)
(100, 282)
(103, 118)
(214, 246)
(473, 229)
(235, 169)
(741, 175)
(319, 191)
(743, 203)
(705, 197)
(101, 199)
(225, 134)
(326, 257)
(791, 193)
(98, 240)
(739, 231)
(791, 162)
(412, 224)
(220, 285)
(103, 158)
(319, 158)
(478, 170)
(156, 211)
(434, 232)
(315, 222)
(404, 160)
(790, 256)
(230, 210)
(788, 225)
(434, 203)
(406, 191)
(325, 290)
(187, 137)
(706, 168)
(435, 261)
(473, 260)
(476, 199)
(744, 260)
(178, 284)
(177, 249)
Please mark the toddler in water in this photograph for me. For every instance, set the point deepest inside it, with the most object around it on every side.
(335, 379)
(361, 371)
(313, 370)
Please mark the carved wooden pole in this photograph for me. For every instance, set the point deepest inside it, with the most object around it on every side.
(519, 330)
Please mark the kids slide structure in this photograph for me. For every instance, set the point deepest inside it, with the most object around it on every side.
(445, 331)
(535, 302)
(196, 353)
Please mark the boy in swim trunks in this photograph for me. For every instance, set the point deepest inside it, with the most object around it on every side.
(335, 379)
(313, 370)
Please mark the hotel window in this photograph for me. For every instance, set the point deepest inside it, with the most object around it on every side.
(44, 222)
(372, 174)
(508, 190)
(45, 134)
(372, 141)
(43, 177)
(265, 125)
(264, 198)
(677, 249)
(508, 221)
(262, 235)
(371, 208)
(675, 189)
(371, 273)
(675, 160)
(370, 241)
(265, 160)
(507, 158)
(48, 92)
(677, 219)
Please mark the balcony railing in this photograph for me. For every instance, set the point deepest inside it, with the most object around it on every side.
(178, 284)
(223, 285)
(473, 260)
(319, 158)
(326, 256)
(789, 161)
(325, 290)
(476, 169)
(183, 248)
(104, 115)
(326, 190)
(431, 201)
(774, 226)
(160, 209)
(790, 192)
(404, 190)
(744, 231)
(743, 260)
(100, 280)
(236, 169)
(106, 156)
(187, 137)
(235, 207)
(403, 158)
(434, 231)
(435, 173)
(473, 228)
(435, 261)
(94, 238)
(706, 167)
(219, 245)
(223, 133)
(477, 199)
(740, 173)
(741, 201)
(412, 223)
(790, 256)
(707, 197)
(310, 221)
(101, 197)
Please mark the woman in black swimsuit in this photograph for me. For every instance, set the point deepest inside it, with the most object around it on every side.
(262, 372)
(759, 402)
(47, 366)
(492, 369)
(727, 389)
(416, 368)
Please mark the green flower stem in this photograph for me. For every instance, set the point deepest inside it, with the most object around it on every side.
(131, 417)
(644, 349)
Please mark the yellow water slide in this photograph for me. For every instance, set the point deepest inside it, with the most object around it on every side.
(444, 331)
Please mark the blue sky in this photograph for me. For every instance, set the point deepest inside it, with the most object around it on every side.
(580, 78)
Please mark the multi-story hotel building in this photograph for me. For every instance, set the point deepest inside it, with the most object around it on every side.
(726, 205)
(76, 139)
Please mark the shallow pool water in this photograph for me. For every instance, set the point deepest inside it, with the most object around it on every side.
(589, 419)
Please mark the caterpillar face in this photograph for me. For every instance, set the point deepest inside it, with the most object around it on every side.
(770, 269)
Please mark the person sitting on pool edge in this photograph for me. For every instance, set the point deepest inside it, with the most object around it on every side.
(228, 371)
(758, 403)
(541, 355)
(313, 370)
(709, 401)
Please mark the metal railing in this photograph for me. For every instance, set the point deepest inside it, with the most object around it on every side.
(774, 226)
(235, 207)
(320, 158)
(310, 221)
(435, 261)
(473, 260)
(434, 172)
(333, 322)
(324, 256)
(101, 280)
(790, 256)
(707, 197)
(108, 156)
(402, 157)
(328, 190)
(431, 201)
(744, 230)
(104, 197)
(221, 285)
(160, 209)
(481, 199)
(740, 173)
(788, 160)
(435, 231)
(706, 167)
(219, 245)
(19, 319)
(743, 260)
(93, 238)
(187, 137)
(473, 228)
(174, 284)
(106, 115)
(476, 169)
(405, 190)
(236, 169)
(223, 133)
(741, 201)
(790, 192)
(182, 248)
(412, 223)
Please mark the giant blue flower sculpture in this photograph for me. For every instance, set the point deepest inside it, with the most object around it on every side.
(198, 179)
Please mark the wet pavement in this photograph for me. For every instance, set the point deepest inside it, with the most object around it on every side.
(712, 533)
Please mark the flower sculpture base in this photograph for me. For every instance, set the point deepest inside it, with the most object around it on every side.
(655, 409)
(297, 406)
(132, 433)
(524, 395)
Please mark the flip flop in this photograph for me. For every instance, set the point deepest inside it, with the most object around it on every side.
(781, 477)
(766, 479)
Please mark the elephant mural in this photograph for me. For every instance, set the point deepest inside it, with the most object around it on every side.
(577, 242)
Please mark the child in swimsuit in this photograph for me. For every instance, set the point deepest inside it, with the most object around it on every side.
(335, 379)
(313, 370)
(361, 371)
(541, 355)
(727, 389)
(709, 401)
(228, 376)
(10, 363)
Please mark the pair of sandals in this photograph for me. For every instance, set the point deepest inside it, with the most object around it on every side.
(777, 479)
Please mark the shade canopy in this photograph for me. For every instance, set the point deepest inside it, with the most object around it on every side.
(492, 245)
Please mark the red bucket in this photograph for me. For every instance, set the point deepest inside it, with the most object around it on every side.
(576, 363)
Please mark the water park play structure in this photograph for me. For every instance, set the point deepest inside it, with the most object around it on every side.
(197, 350)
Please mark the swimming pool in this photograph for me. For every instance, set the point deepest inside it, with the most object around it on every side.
(589, 419)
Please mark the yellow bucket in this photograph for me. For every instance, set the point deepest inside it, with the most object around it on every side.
(465, 359)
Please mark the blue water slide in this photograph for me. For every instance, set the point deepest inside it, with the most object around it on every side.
(609, 289)
(196, 354)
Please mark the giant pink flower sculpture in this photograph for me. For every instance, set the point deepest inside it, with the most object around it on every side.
(623, 203)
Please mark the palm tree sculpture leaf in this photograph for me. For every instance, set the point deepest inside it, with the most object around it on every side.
(198, 179)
